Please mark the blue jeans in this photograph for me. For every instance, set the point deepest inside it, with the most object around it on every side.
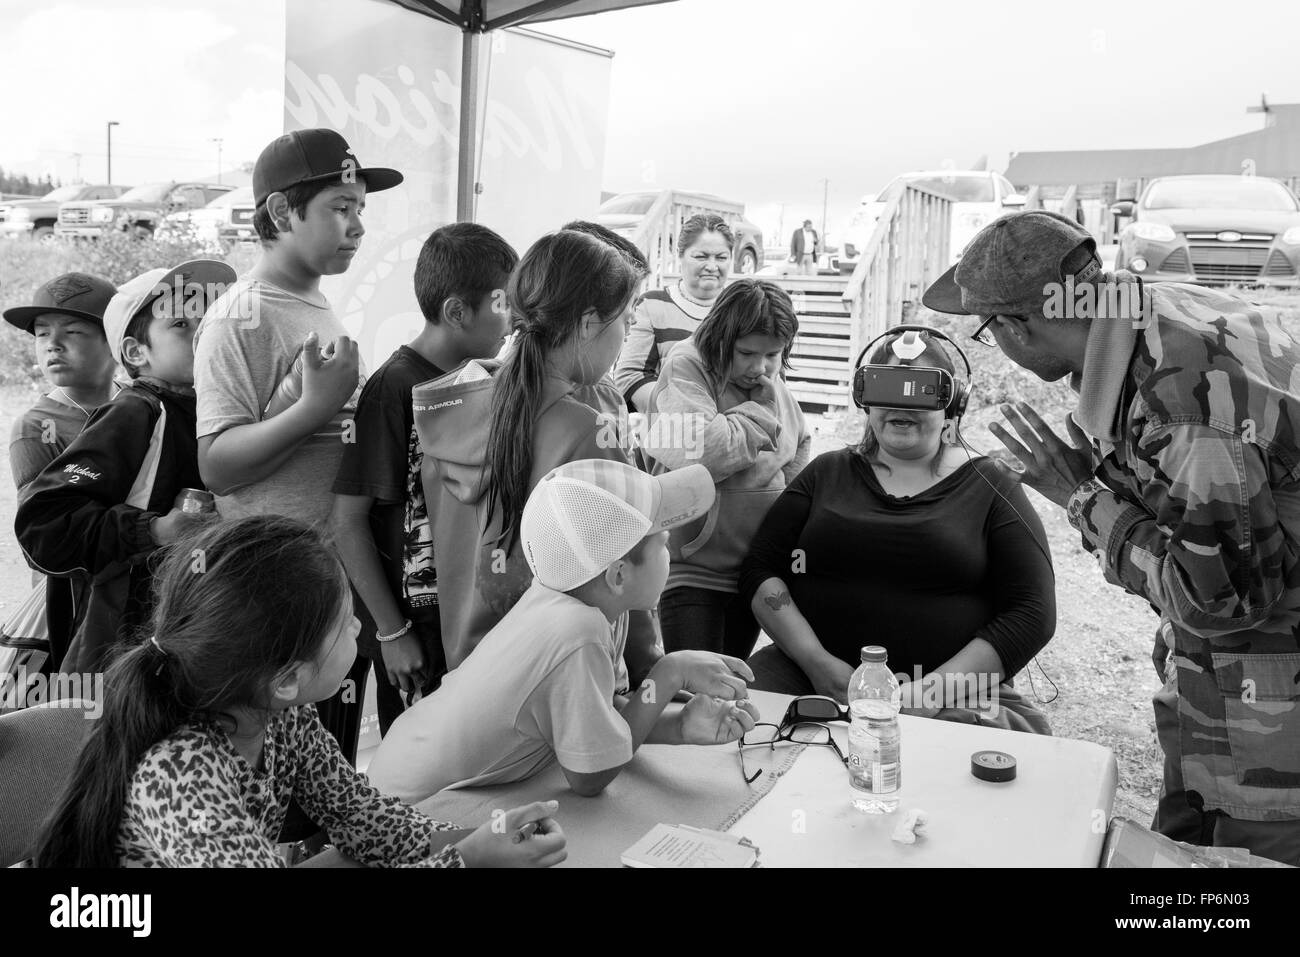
(700, 619)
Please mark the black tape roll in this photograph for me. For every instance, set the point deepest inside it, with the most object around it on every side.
(993, 766)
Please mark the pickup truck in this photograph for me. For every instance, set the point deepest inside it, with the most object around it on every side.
(215, 225)
(34, 218)
(137, 211)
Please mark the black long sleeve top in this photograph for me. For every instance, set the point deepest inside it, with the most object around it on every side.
(921, 575)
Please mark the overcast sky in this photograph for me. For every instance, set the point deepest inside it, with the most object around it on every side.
(758, 100)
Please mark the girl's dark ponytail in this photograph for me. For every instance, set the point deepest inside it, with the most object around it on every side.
(139, 710)
(563, 275)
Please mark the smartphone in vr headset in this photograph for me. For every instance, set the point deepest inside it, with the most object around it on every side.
(915, 388)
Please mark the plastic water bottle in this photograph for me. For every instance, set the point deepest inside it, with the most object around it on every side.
(875, 759)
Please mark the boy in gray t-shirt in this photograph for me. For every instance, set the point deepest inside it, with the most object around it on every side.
(276, 375)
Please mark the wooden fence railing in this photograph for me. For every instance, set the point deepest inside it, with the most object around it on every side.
(907, 252)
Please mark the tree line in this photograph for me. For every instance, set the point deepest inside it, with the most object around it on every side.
(22, 183)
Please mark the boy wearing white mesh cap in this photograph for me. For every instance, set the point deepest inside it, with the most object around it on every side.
(540, 685)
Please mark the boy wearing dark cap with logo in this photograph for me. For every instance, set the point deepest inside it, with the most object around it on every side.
(309, 193)
(277, 376)
(66, 320)
(100, 509)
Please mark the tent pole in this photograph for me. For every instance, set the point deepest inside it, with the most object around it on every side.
(467, 146)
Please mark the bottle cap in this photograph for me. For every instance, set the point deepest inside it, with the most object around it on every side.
(993, 766)
(874, 653)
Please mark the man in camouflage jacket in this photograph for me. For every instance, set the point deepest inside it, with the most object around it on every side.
(1184, 481)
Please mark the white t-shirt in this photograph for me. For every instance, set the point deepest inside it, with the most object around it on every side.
(244, 348)
(540, 685)
(809, 243)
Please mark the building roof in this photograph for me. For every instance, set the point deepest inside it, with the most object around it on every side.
(1274, 151)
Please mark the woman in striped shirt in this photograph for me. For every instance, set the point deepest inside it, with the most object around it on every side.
(666, 316)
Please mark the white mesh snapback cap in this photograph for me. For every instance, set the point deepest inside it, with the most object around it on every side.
(586, 514)
(165, 290)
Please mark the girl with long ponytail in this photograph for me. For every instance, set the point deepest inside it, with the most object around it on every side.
(209, 726)
(491, 429)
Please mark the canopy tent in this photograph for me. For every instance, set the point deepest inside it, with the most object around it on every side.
(476, 18)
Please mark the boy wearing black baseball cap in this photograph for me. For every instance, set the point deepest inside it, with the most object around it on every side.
(276, 374)
(310, 192)
(66, 321)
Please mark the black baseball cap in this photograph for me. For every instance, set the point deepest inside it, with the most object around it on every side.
(76, 294)
(1005, 268)
(310, 156)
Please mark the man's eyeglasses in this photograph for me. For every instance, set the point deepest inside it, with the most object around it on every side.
(766, 735)
(984, 334)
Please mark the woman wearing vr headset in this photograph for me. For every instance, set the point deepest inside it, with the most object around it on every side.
(721, 400)
(910, 542)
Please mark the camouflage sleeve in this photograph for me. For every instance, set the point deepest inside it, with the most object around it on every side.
(1205, 546)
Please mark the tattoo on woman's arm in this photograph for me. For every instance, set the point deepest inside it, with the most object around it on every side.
(778, 601)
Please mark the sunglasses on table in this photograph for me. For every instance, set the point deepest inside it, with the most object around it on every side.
(765, 734)
(815, 708)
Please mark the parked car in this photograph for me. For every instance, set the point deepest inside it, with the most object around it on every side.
(980, 196)
(34, 218)
(137, 211)
(207, 222)
(623, 214)
(1213, 230)
(240, 227)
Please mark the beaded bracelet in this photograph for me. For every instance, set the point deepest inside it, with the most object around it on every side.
(397, 634)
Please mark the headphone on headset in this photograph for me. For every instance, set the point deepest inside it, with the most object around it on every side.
(921, 388)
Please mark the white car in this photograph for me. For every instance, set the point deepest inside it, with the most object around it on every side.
(981, 196)
(206, 221)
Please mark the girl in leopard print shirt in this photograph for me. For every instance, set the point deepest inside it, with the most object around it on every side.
(209, 727)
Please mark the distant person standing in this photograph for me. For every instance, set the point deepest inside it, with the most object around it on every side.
(805, 247)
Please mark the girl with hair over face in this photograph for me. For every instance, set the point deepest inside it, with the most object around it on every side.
(721, 400)
(664, 317)
(209, 727)
(492, 429)
(909, 542)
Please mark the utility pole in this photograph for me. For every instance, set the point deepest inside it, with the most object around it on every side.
(826, 185)
(218, 141)
(76, 157)
(111, 124)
